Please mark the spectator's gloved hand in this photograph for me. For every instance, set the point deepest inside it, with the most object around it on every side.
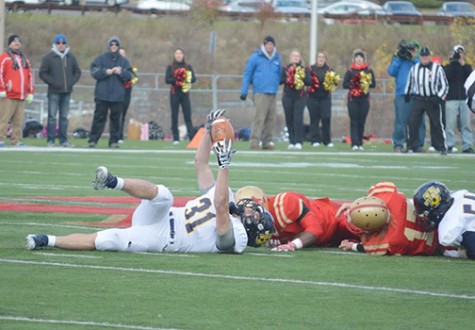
(212, 117)
(3, 94)
(407, 98)
(290, 246)
(243, 97)
(224, 152)
(29, 98)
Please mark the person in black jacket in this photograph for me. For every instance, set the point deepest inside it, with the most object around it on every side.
(457, 72)
(319, 102)
(60, 71)
(180, 76)
(359, 78)
(111, 71)
(294, 77)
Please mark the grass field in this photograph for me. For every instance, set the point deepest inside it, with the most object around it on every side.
(307, 289)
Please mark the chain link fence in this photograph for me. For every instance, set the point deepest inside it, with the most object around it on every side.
(150, 102)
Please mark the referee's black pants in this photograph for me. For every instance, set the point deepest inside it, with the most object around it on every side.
(432, 107)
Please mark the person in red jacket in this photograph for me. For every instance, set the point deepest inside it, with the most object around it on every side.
(16, 87)
(398, 233)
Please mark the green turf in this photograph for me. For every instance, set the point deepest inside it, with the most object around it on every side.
(310, 289)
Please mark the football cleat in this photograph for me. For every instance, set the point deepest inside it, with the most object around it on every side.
(102, 174)
(34, 242)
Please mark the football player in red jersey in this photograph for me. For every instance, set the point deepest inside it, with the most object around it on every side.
(390, 228)
(300, 221)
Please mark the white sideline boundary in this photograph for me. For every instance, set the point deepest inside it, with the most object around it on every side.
(72, 322)
(366, 152)
(243, 278)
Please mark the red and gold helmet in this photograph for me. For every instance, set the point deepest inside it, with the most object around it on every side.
(368, 214)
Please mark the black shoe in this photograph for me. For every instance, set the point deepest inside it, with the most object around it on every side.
(114, 145)
(468, 151)
(443, 152)
(34, 242)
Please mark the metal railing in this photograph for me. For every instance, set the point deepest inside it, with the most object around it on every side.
(150, 101)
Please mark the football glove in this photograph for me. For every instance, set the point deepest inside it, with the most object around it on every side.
(29, 98)
(224, 152)
(212, 117)
(290, 246)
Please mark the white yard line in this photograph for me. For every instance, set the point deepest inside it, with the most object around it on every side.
(243, 278)
(87, 323)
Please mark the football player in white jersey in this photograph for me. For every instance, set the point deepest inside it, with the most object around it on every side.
(204, 224)
(453, 214)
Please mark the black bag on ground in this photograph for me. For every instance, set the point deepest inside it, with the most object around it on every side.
(155, 132)
(32, 129)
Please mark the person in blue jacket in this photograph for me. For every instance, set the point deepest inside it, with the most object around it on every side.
(402, 62)
(263, 70)
(111, 71)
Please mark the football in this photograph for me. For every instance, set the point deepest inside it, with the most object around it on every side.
(222, 129)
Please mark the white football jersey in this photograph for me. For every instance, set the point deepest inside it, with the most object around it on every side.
(195, 227)
(157, 227)
(459, 219)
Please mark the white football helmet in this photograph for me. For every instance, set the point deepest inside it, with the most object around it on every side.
(368, 214)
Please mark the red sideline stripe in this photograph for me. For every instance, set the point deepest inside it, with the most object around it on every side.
(29, 207)
(178, 201)
(23, 207)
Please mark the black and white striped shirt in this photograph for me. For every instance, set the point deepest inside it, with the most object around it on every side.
(427, 81)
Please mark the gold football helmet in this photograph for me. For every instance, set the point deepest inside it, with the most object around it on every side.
(369, 214)
(254, 193)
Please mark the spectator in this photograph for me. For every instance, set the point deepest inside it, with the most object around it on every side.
(60, 71)
(401, 63)
(180, 76)
(263, 71)
(457, 72)
(128, 95)
(111, 72)
(428, 84)
(359, 78)
(16, 87)
(294, 77)
(319, 101)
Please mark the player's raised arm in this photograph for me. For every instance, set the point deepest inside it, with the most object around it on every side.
(224, 153)
(203, 170)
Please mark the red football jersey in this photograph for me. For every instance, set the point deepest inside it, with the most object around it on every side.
(295, 213)
(402, 236)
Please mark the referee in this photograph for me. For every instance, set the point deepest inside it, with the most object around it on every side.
(428, 86)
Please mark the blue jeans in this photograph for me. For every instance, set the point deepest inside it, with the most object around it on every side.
(402, 111)
(454, 109)
(58, 102)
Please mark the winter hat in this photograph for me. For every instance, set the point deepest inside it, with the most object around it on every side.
(12, 38)
(269, 39)
(60, 37)
(359, 52)
(425, 51)
(458, 48)
(113, 39)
